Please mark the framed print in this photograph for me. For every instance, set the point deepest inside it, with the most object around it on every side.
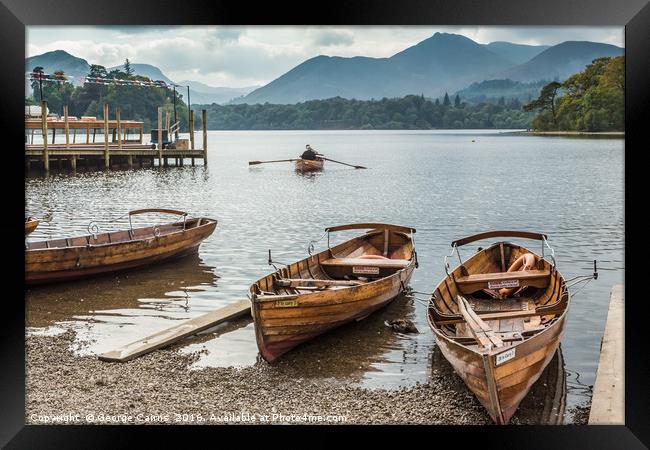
(382, 214)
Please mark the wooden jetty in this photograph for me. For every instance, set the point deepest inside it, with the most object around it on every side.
(174, 334)
(119, 142)
(608, 401)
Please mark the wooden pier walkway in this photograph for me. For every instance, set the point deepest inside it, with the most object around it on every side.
(114, 147)
(608, 401)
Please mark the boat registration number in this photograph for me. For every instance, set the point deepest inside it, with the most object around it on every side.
(286, 303)
(366, 270)
(503, 284)
(505, 356)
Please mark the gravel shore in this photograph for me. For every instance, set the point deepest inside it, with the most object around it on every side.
(159, 388)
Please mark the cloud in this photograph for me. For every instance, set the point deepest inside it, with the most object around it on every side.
(237, 56)
(328, 38)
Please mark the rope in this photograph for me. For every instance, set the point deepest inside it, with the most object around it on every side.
(581, 287)
(310, 246)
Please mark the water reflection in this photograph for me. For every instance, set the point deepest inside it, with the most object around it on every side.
(112, 310)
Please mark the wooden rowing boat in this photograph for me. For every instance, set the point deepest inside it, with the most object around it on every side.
(499, 346)
(79, 257)
(343, 283)
(30, 224)
(309, 165)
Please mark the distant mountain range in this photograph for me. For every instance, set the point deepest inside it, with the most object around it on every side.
(77, 68)
(515, 53)
(561, 61)
(442, 63)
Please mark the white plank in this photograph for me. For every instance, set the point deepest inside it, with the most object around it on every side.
(174, 334)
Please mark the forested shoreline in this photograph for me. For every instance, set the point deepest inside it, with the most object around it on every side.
(413, 112)
(591, 100)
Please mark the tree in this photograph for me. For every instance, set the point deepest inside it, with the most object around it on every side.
(37, 75)
(446, 101)
(457, 101)
(437, 102)
(546, 100)
(127, 67)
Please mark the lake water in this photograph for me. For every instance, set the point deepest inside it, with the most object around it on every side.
(445, 184)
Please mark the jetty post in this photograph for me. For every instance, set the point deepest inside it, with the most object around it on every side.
(159, 136)
(46, 155)
(191, 126)
(107, 158)
(73, 158)
(167, 120)
(205, 137)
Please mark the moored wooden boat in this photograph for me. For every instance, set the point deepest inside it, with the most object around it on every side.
(83, 256)
(498, 328)
(30, 224)
(343, 283)
(309, 165)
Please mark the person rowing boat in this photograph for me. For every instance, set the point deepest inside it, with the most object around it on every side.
(310, 154)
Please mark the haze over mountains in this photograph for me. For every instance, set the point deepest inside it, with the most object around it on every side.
(442, 63)
(77, 68)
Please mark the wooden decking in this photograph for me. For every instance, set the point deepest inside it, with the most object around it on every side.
(608, 401)
(106, 143)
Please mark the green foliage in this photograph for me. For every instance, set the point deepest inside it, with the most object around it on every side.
(410, 112)
(491, 91)
(591, 100)
(135, 102)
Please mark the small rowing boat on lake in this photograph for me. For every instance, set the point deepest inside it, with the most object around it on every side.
(498, 319)
(343, 283)
(100, 253)
(309, 165)
(30, 224)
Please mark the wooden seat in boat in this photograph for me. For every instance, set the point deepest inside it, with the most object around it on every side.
(383, 263)
(475, 282)
(339, 268)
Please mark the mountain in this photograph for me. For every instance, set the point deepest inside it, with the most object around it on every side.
(59, 60)
(442, 63)
(201, 93)
(145, 70)
(561, 61)
(517, 53)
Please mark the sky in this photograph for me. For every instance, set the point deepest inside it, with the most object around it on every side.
(241, 56)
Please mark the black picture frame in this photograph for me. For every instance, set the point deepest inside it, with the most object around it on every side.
(16, 14)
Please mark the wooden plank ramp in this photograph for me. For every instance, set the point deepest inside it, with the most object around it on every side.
(608, 400)
(170, 335)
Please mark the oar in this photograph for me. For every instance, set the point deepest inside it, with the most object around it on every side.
(252, 163)
(345, 164)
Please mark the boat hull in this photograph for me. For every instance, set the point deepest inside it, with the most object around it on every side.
(309, 165)
(75, 262)
(513, 379)
(285, 318)
(283, 328)
(31, 225)
(500, 377)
